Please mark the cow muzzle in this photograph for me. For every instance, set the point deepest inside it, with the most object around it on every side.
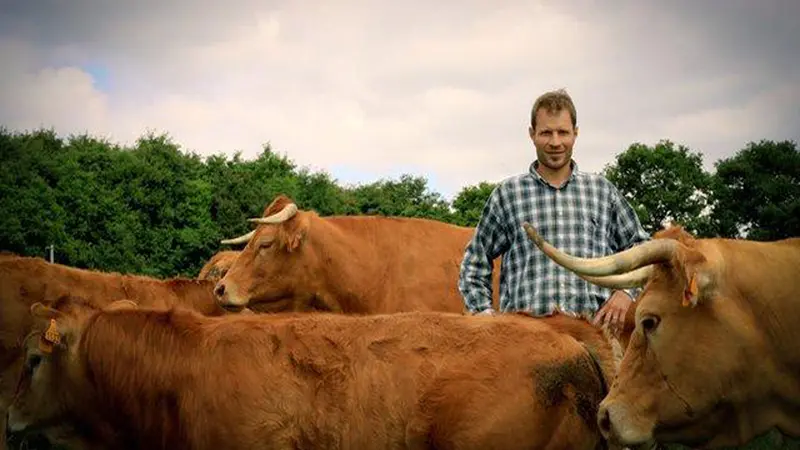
(227, 299)
(14, 433)
(617, 427)
(13, 425)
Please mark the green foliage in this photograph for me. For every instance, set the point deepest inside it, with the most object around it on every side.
(663, 183)
(772, 440)
(154, 209)
(407, 197)
(754, 194)
(757, 192)
(469, 203)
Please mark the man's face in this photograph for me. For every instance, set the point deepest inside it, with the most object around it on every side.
(553, 138)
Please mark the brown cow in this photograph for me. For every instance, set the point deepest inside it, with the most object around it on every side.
(179, 380)
(714, 359)
(27, 280)
(349, 264)
(218, 265)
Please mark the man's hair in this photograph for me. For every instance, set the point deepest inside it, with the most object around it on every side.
(554, 102)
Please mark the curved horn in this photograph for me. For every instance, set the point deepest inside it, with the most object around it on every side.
(649, 252)
(634, 278)
(283, 215)
(239, 240)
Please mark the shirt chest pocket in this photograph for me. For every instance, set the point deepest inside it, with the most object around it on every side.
(590, 239)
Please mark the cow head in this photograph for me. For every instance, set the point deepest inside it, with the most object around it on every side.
(273, 263)
(684, 354)
(218, 265)
(44, 389)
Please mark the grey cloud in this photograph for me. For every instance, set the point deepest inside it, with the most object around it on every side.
(638, 71)
(100, 23)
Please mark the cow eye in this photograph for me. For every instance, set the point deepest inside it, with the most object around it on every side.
(649, 323)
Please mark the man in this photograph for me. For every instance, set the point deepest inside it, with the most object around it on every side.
(581, 213)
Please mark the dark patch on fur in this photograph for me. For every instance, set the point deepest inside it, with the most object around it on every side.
(67, 303)
(574, 380)
(275, 344)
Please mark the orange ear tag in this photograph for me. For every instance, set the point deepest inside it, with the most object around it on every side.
(51, 336)
(45, 346)
(690, 293)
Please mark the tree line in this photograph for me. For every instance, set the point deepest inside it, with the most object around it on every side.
(154, 209)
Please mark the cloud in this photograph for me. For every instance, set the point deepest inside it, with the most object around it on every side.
(370, 90)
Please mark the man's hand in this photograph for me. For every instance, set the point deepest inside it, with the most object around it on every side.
(612, 314)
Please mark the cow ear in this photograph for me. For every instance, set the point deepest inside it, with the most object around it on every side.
(121, 304)
(294, 231)
(39, 310)
(699, 281)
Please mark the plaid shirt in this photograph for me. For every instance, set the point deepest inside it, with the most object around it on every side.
(585, 217)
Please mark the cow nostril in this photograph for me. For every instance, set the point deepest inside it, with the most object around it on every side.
(604, 421)
(219, 291)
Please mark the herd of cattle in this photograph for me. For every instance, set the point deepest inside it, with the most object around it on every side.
(349, 333)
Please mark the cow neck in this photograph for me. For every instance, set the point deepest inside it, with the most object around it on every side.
(124, 402)
(350, 272)
(762, 299)
(101, 288)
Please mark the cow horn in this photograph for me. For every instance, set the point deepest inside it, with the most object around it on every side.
(239, 240)
(281, 216)
(634, 278)
(649, 252)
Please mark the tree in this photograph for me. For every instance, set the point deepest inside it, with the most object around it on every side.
(756, 192)
(469, 203)
(663, 183)
(407, 197)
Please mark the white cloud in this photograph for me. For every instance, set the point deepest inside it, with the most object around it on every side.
(383, 87)
(62, 97)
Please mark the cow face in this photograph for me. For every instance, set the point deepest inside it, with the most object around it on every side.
(690, 346)
(218, 265)
(44, 389)
(40, 395)
(275, 265)
(682, 360)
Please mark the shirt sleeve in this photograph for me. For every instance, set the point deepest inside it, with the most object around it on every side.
(626, 229)
(488, 242)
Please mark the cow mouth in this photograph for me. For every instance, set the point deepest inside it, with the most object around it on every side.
(272, 305)
(232, 308)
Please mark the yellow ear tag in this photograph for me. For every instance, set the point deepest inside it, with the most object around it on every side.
(691, 292)
(51, 336)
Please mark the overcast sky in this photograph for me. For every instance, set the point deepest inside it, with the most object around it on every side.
(373, 89)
